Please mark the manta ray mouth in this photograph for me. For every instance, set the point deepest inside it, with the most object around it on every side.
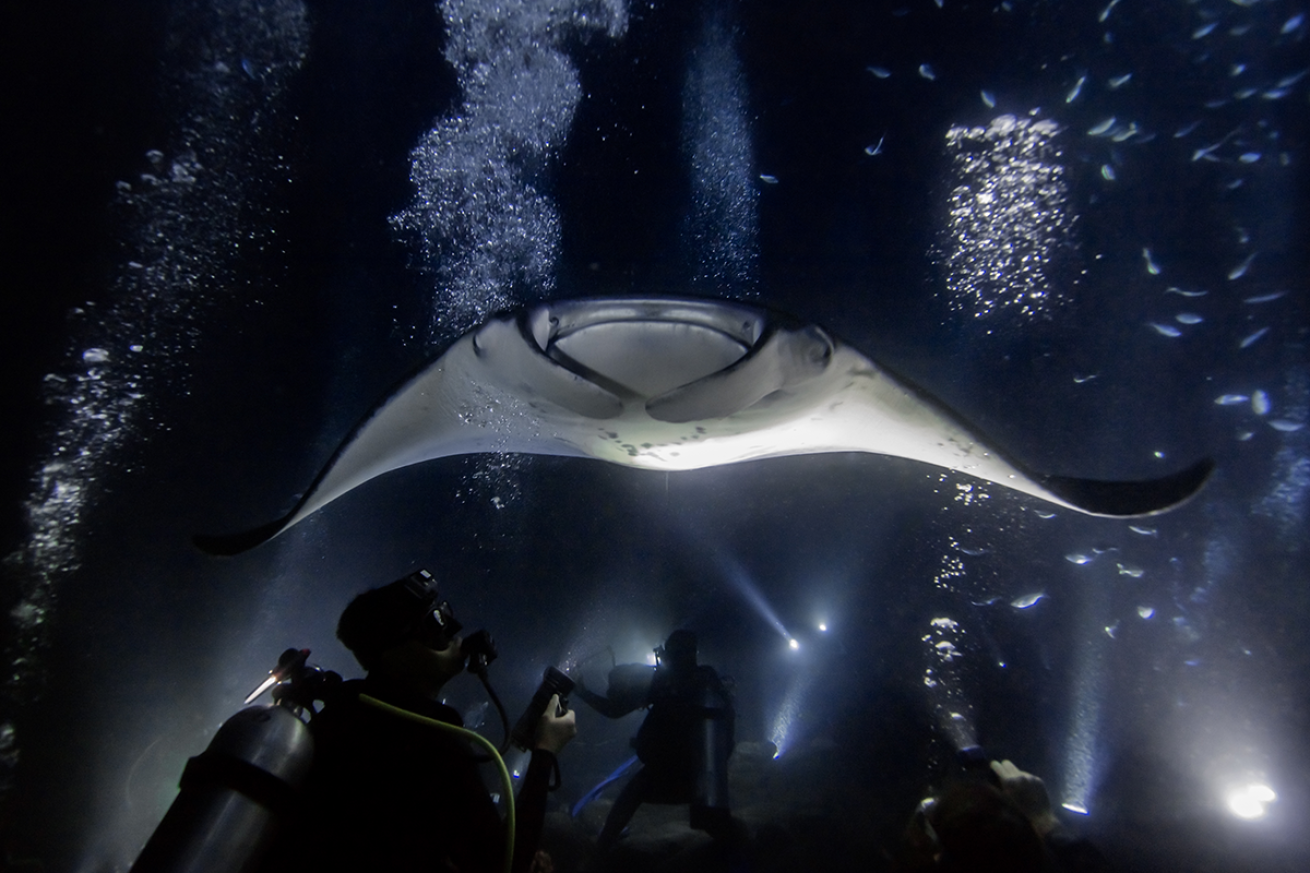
(611, 343)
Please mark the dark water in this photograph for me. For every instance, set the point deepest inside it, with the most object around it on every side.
(235, 225)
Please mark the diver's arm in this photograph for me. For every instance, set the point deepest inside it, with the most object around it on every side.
(601, 703)
(629, 691)
(530, 807)
(1075, 854)
(553, 733)
(1029, 794)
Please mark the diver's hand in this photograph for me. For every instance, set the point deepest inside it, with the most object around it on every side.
(555, 731)
(1028, 793)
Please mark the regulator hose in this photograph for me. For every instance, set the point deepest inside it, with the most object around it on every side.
(511, 820)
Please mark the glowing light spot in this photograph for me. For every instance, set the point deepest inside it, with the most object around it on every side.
(793, 644)
(1075, 807)
(1250, 801)
(823, 627)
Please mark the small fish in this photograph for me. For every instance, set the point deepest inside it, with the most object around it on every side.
(1144, 531)
(1204, 30)
(1254, 338)
(1165, 329)
(1245, 93)
(877, 148)
(988, 99)
(1119, 81)
(1215, 103)
(1236, 70)
(1076, 89)
(880, 72)
(1260, 403)
(1240, 270)
(1145, 611)
(768, 180)
(1275, 94)
(1078, 380)
(1078, 558)
(1249, 157)
(1130, 572)
(1186, 129)
(1027, 600)
(1292, 23)
(1151, 266)
(927, 72)
(1105, 13)
(1102, 128)
(1264, 298)
(973, 553)
(1286, 426)
(1173, 290)
(1289, 81)
(1188, 318)
(1230, 399)
(1126, 133)
(1107, 172)
(1043, 514)
(1111, 629)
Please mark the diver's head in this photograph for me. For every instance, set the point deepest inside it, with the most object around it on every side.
(678, 651)
(407, 613)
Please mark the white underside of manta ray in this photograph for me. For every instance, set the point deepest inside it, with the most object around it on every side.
(677, 384)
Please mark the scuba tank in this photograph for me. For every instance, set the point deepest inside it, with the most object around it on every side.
(241, 789)
(709, 808)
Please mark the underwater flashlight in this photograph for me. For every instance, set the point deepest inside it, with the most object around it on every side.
(553, 682)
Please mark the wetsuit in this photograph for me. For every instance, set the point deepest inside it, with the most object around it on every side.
(388, 794)
(671, 742)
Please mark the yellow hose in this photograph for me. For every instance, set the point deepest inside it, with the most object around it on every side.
(510, 819)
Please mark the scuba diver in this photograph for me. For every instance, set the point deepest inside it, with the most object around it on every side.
(995, 817)
(683, 744)
(389, 794)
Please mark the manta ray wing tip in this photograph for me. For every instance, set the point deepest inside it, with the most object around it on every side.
(228, 545)
(1129, 499)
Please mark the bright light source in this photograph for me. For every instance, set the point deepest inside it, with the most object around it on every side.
(1075, 807)
(823, 626)
(794, 643)
(1250, 801)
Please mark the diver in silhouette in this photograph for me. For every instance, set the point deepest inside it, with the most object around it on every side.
(683, 744)
(388, 794)
(1003, 823)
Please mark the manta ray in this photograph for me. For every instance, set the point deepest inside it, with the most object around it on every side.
(665, 383)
